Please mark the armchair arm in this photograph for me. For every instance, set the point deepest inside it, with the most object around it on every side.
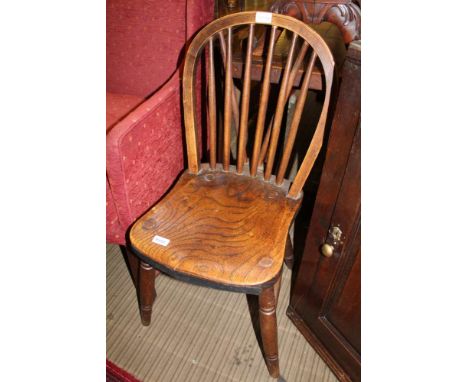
(145, 153)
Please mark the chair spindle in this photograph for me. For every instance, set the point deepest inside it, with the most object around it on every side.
(234, 103)
(295, 120)
(227, 102)
(212, 106)
(241, 154)
(297, 65)
(263, 104)
(279, 111)
(292, 78)
(266, 142)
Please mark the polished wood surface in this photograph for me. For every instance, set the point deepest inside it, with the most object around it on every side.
(223, 227)
(326, 306)
(226, 225)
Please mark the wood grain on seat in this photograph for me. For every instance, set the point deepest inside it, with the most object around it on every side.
(223, 227)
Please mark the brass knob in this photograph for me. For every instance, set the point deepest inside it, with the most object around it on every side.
(327, 250)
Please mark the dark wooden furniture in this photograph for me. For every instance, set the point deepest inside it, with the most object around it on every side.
(325, 299)
(345, 14)
(226, 226)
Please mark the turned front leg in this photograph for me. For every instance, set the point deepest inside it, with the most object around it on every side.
(146, 292)
(268, 329)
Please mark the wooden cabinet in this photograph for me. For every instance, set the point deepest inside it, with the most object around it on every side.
(325, 301)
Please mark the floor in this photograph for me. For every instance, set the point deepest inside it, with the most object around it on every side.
(198, 334)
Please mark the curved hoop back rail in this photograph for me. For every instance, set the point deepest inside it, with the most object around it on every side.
(267, 159)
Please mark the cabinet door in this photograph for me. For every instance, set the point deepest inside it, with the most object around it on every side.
(325, 299)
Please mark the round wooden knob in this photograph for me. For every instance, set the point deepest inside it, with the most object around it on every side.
(327, 250)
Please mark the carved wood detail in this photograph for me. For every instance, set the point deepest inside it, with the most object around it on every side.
(345, 14)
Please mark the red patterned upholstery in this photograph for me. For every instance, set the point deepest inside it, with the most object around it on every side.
(145, 42)
(113, 226)
(118, 105)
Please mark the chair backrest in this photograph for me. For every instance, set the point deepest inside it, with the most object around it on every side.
(266, 139)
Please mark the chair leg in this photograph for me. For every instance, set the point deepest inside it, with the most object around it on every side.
(146, 292)
(268, 329)
(133, 263)
(289, 253)
(277, 288)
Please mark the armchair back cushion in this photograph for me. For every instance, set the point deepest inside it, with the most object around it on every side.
(145, 41)
(145, 44)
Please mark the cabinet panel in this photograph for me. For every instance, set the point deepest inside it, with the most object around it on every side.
(325, 299)
(345, 314)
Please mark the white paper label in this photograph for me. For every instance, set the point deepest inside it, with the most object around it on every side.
(263, 17)
(161, 240)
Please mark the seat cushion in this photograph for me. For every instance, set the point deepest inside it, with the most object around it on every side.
(223, 228)
(118, 106)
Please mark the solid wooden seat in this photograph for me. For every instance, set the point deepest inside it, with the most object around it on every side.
(226, 229)
(226, 226)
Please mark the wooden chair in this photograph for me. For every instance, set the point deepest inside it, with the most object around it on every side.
(222, 225)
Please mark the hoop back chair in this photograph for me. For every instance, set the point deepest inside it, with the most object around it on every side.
(225, 225)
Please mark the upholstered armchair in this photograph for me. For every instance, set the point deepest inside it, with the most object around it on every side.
(145, 43)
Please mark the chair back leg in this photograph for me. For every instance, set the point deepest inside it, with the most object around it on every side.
(289, 253)
(146, 292)
(133, 264)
